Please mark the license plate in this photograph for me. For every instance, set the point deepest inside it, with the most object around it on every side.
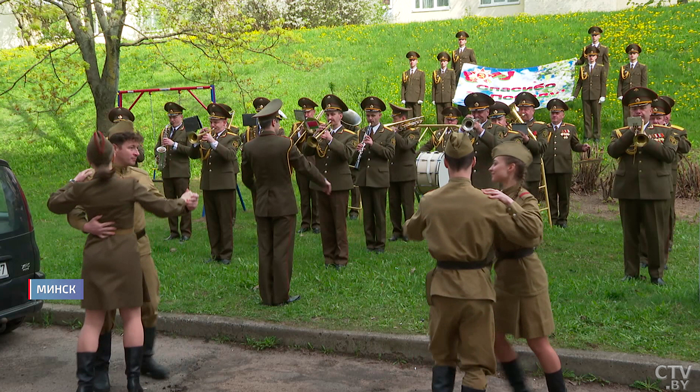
(4, 273)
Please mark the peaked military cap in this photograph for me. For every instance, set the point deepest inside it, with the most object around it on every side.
(412, 55)
(660, 107)
(513, 149)
(478, 101)
(173, 109)
(461, 34)
(590, 49)
(398, 110)
(557, 105)
(372, 104)
(633, 48)
(595, 30)
(270, 110)
(306, 104)
(331, 102)
(499, 109)
(459, 145)
(259, 103)
(671, 102)
(638, 96)
(218, 111)
(451, 112)
(120, 114)
(443, 56)
(526, 99)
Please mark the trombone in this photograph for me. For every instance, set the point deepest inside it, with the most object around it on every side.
(313, 130)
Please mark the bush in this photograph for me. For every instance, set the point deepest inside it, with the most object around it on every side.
(313, 13)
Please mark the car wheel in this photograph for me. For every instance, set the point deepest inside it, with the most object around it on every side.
(12, 325)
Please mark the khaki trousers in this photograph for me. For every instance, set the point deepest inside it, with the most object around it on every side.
(275, 257)
(173, 188)
(374, 216)
(400, 198)
(220, 211)
(334, 231)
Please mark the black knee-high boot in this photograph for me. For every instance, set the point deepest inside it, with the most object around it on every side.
(85, 372)
(555, 381)
(149, 366)
(132, 356)
(514, 374)
(443, 378)
(102, 357)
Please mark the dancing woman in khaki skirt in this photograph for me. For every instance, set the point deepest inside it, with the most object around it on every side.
(111, 273)
(522, 306)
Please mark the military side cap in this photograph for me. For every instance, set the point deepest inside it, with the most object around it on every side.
(595, 30)
(124, 126)
(259, 103)
(633, 48)
(270, 110)
(99, 150)
(218, 111)
(513, 149)
(671, 102)
(461, 34)
(638, 96)
(659, 107)
(398, 110)
(306, 103)
(412, 55)
(173, 109)
(443, 56)
(372, 104)
(526, 99)
(557, 105)
(498, 109)
(590, 49)
(333, 102)
(120, 114)
(451, 112)
(459, 145)
(478, 101)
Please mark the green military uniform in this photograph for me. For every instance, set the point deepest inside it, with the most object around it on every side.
(558, 164)
(603, 57)
(332, 160)
(643, 186)
(483, 144)
(413, 87)
(460, 56)
(218, 183)
(307, 197)
(537, 146)
(176, 173)
(459, 290)
(444, 85)
(631, 75)
(373, 177)
(266, 166)
(119, 114)
(591, 85)
(402, 174)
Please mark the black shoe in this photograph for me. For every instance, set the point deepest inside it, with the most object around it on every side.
(628, 278)
(132, 357)
(354, 216)
(658, 281)
(184, 238)
(172, 237)
(293, 299)
(149, 367)
(210, 260)
(370, 249)
(102, 356)
(644, 265)
(303, 230)
(405, 239)
(379, 250)
(85, 372)
(443, 378)
(514, 374)
(555, 381)
(225, 261)
(666, 267)
(316, 230)
(394, 238)
(563, 225)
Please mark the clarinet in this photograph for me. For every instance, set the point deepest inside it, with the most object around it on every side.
(362, 149)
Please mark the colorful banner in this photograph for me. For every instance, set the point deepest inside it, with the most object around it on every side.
(554, 80)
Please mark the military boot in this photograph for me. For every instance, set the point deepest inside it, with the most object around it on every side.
(443, 378)
(515, 376)
(85, 372)
(555, 381)
(132, 357)
(102, 356)
(149, 367)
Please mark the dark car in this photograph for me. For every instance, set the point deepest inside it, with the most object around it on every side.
(19, 254)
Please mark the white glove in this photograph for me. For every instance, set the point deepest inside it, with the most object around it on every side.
(433, 102)
(620, 97)
(403, 102)
(601, 100)
(420, 102)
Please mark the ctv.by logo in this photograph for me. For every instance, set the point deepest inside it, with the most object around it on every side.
(675, 375)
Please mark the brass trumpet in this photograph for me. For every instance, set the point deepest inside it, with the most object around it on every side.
(313, 130)
(641, 139)
(194, 137)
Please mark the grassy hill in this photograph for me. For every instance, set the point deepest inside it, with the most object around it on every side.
(591, 308)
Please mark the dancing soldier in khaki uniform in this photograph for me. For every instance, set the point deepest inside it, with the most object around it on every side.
(591, 83)
(460, 224)
(643, 184)
(402, 173)
(217, 149)
(438, 139)
(373, 156)
(522, 307)
(558, 161)
(307, 196)
(632, 74)
(444, 85)
(413, 86)
(176, 173)
(332, 157)
(266, 166)
(125, 142)
(485, 137)
(120, 114)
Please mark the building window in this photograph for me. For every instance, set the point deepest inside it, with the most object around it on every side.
(432, 4)
(498, 2)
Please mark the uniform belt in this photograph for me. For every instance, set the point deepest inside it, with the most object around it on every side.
(130, 230)
(140, 233)
(515, 254)
(463, 265)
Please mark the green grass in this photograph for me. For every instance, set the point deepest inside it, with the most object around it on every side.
(592, 308)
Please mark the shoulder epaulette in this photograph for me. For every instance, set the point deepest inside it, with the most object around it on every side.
(674, 126)
(230, 133)
(565, 124)
(540, 122)
(349, 131)
(524, 193)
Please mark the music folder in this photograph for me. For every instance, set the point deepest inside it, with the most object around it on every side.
(192, 124)
(249, 120)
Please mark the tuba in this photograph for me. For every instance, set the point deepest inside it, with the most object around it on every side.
(514, 118)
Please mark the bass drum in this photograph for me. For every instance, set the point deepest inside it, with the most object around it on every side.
(432, 173)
